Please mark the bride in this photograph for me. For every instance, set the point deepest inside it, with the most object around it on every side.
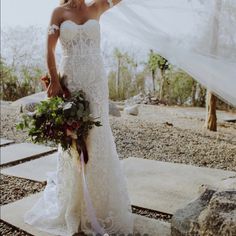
(93, 200)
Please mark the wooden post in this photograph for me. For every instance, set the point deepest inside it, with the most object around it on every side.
(211, 112)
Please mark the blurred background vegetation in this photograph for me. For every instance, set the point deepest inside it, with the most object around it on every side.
(22, 64)
(157, 77)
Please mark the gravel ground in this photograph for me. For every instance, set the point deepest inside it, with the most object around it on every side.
(159, 133)
(9, 230)
(164, 143)
(151, 214)
(13, 189)
(170, 134)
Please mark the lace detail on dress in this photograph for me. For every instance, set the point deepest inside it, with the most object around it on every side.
(80, 40)
(52, 28)
(62, 209)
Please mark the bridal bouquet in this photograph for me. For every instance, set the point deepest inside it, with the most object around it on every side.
(64, 120)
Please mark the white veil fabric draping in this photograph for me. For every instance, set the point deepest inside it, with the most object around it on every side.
(195, 35)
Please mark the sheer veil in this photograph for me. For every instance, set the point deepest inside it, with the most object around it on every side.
(195, 35)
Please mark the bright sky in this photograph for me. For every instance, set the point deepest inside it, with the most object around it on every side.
(26, 12)
(37, 13)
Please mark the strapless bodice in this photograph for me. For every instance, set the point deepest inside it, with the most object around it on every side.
(80, 39)
(82, 61)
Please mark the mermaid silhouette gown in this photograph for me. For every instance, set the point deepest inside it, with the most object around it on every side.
(62, 210)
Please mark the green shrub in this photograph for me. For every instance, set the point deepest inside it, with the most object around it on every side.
(13, 88)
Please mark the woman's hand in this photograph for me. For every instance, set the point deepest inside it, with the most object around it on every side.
(104, 5)
(54, 89)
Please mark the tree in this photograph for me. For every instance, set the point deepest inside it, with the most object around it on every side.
(163, 66)
(153, 66)
(180, 87)
(211, 119)
(125, 74)
(194, 90)
(118, 57)
(155, 62)
(12, 87)
(24, 46)
(211, 112)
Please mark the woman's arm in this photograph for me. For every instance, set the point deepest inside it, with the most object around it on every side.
(103, 5)
(54, 88)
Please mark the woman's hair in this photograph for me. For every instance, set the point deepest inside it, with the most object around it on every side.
(64, 2)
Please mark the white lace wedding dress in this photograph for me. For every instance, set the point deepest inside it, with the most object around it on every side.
(62, 209)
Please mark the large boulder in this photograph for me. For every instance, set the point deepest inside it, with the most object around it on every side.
(131, 110)
(28, 103)
(139, 99)
(113, 109)
(212, 214)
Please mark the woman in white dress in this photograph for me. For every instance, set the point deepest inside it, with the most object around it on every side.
(66, 207)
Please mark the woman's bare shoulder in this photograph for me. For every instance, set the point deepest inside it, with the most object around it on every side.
(59, 10)
(58, 13)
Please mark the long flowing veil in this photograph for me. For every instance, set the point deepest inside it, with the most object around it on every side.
(195, 35)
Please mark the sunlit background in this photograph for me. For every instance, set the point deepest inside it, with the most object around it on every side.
(26, 12)
(24, 25)
(35, 15)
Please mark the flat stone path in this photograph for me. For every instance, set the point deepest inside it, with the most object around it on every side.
(4, 141)
(166, 187)
(13, 213)
(155, 185)
(22, 151)
(35, 170)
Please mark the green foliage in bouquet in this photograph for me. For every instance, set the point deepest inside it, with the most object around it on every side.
(59, 120)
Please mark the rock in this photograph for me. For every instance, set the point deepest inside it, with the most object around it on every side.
(139, 99)
(227, 184)
(30, 107)
(113, 109)
(213, 213)
(120, 107)
(131, 110)
(28, 103)
(223, 185)
(168, 124)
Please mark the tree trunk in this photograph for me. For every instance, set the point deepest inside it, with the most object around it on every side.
(201, 96)
(162, 84)
(118, 78)
(194, 90)
(153, 80)
(211, 112)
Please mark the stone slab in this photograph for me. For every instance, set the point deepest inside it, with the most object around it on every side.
(164, 186)
(145, 226)
(13, 213)
(21, 151)
(33, 98)
(36, 169)
(4, 141)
